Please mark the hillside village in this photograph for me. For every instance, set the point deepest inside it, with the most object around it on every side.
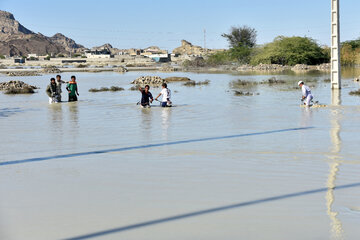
(19, 44)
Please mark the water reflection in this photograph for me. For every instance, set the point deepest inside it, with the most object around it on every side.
(146, 115)
(165, 121)
(336, 225)
(56, 123)
(306, 117)
(74, 113)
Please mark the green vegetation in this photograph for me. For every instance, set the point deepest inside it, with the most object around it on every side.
(193, 83)
(47, 58)
(2, 57)
(283, 50)
(242, 41)
(350, 52)
(291, 51)
(60, 55)
(355, 93)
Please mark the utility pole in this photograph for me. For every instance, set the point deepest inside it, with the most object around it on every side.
(335, 45)
(205, 40)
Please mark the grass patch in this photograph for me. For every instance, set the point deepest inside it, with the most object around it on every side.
(242, 83)
(355, 93)
(193, 83)
(105, 89)
(241, 93)
(273, 80)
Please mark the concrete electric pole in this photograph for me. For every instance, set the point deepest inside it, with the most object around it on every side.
(335, 45)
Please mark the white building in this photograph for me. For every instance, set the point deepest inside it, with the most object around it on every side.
(98, 54)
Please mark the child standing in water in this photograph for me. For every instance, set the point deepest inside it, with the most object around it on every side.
(72, 89)
(58, 83)
(166, 93)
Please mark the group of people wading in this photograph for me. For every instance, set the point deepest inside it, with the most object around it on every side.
(54, 90)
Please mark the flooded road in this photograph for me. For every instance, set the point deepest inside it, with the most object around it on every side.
(215, 166)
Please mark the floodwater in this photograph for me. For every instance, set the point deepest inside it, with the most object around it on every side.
(215, 166)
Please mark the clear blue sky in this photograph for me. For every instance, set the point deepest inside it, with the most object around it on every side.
(142, 23)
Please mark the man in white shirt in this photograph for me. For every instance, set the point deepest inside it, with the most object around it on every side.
(166, 95)
(306, 93)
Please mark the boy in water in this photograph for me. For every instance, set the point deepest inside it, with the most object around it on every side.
(166, 93)
(58, 83)
(52, 91)
(306, 93)
(146, 97)
(72, 89)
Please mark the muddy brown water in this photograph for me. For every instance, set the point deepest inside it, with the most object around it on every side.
(215, 166)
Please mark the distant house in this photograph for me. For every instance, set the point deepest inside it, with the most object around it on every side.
(160, 57)
(19, 60)
(32, 55)
(98, 54)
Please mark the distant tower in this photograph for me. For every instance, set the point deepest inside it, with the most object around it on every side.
(335, 45)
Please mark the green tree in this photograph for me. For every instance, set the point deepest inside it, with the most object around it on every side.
(291, 51)
(241, 36)
(241, 40)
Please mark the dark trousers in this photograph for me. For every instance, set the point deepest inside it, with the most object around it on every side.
(72, 98)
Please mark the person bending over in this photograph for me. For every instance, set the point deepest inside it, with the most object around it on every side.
(306, 93)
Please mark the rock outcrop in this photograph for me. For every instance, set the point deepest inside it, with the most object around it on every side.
(187, 48)
(150, 80)
(23, 73)
(51, 69)
(16, 87)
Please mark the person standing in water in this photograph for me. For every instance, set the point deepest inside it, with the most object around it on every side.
(72, 89)
(166, 95)
(306, 93)
(58, 84)
(146, 96)
(52, 91)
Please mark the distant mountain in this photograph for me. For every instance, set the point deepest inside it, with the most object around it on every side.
(17, 40)
(69, 44)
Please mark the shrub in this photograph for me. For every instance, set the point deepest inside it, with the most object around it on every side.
(291, 51)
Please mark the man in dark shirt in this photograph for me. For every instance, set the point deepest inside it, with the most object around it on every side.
(146, 96)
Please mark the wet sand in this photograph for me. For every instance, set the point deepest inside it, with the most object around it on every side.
(215, 166)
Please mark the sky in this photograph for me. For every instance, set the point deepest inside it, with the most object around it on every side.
(164, 23)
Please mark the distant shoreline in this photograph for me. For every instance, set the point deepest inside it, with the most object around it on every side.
(27, 69)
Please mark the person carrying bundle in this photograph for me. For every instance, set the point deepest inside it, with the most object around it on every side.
(53, 92)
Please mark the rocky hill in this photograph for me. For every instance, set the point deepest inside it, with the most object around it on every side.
(69, 44)
(17, 40)
(188, 49)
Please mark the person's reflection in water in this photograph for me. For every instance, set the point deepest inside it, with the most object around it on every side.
(74, 118)
(336, 225)
(165, 122)
(146, 124)
(306, 117)
(56, 126)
